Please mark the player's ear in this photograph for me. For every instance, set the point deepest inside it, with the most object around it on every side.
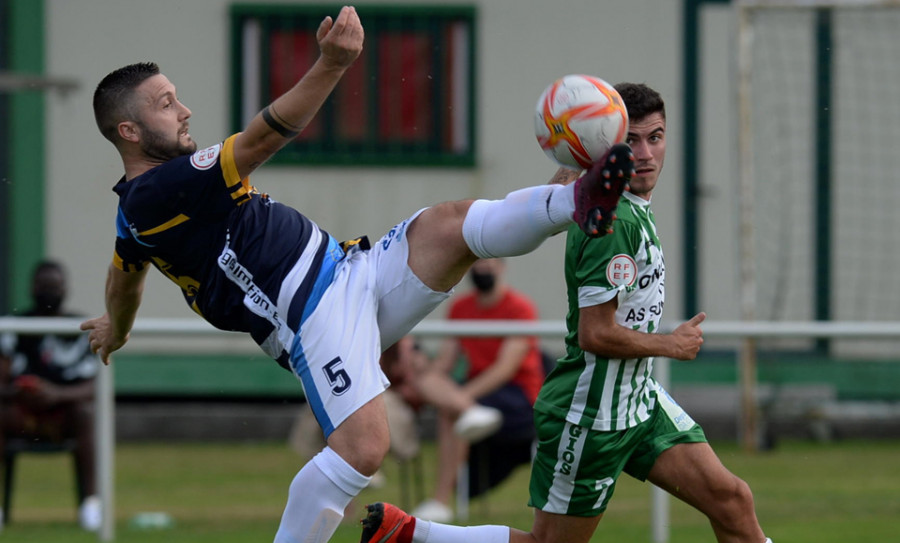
(129, 131)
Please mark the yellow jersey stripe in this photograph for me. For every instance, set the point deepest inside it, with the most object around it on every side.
(229, 167)
(242, 191)
(180, 218)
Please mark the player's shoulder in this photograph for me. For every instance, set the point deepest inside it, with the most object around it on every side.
(632, 209)
(181, 167)
(627, 214)
(143, 184)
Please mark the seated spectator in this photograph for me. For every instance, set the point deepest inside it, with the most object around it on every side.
(47, 383)
(504, 373)
(418, 382)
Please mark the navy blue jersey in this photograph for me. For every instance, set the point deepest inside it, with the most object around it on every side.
(237, 255)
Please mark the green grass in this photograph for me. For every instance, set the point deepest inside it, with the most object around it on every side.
(224, 493)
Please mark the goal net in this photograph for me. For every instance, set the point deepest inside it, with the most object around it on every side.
(819, 125)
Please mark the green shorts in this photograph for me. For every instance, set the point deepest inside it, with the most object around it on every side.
(576, 468)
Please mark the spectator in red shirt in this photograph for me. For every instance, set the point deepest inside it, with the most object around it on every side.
(504, 373)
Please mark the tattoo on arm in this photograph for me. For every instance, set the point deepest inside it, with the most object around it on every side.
(278, 124)
(563, 176)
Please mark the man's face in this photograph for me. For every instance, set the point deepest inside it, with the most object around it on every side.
(486, 274)
(162, 120)
(647, 138)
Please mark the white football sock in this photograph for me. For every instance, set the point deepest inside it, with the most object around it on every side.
(318, 495)
(433, 532)
(519, 223)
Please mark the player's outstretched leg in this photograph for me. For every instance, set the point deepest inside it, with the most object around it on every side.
(515, 225)
(519, 223)
(597, 192)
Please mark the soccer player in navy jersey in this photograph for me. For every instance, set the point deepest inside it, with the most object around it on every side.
(323, 310)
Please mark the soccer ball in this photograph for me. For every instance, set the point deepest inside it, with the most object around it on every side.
(578, 118)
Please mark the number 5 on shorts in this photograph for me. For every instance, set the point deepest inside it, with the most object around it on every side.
(337, 376)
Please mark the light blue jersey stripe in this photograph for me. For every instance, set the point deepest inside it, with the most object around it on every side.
(334, 255)
(301, 370)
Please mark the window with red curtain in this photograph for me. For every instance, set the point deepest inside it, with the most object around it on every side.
(407, 100)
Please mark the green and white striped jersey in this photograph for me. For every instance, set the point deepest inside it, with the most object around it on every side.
(586, 389)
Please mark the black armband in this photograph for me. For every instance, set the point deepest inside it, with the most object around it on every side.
(275, 125)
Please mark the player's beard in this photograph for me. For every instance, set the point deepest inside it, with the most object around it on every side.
(156, 145)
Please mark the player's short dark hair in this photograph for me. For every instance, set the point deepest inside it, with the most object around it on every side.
(641, 101)
(113, 101)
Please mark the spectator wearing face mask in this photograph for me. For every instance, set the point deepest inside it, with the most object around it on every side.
(47, 386)
(504, 373)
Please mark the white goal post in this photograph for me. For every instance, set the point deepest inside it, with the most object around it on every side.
(816, 99)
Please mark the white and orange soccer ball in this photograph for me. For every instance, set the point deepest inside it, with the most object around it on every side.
(578, 118)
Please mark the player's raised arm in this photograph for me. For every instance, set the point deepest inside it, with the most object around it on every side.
(340, 43)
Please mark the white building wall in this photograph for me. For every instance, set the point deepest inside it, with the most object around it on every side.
(522, 46)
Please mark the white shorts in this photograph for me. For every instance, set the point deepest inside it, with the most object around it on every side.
(374, 300)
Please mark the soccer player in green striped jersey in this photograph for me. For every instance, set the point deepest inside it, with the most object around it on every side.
(599, 412)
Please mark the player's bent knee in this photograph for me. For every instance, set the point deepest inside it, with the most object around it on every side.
(369, 459)
(363, 440)
(438, 253)
(744, 496)
(733, 502)
(440, 226)
(444, 222)
(365, 455)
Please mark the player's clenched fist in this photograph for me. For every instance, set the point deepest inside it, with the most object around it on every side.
(688, 338)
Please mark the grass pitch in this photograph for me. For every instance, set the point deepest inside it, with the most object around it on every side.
(229, 493)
